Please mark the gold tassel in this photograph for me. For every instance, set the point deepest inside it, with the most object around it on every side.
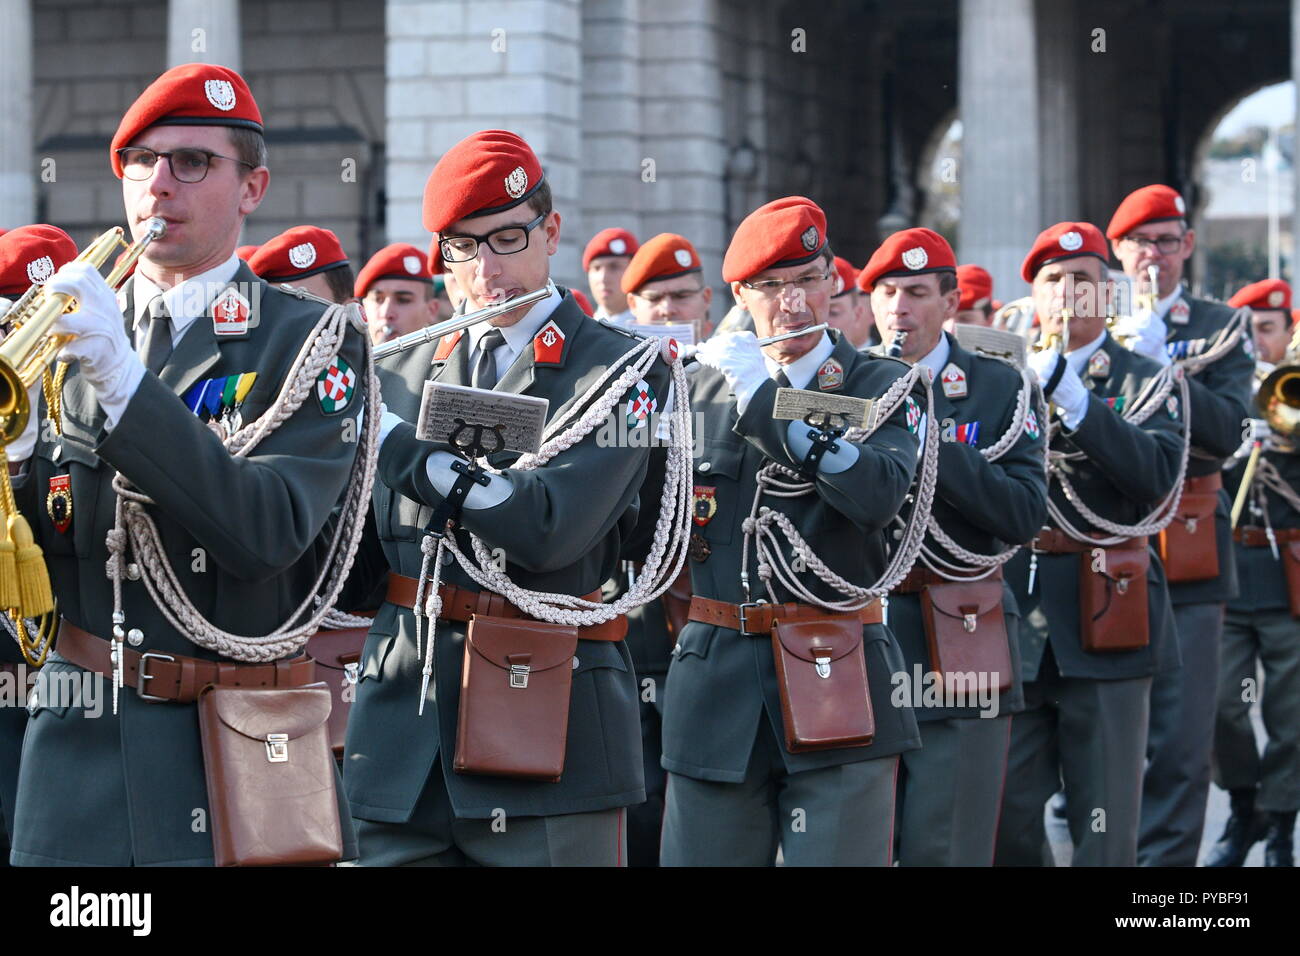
(36, 597)
(9, 594)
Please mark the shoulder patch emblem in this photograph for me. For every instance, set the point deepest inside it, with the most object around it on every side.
(548, 344)
(830, 376)
(641, 405)
(1099, 364)
(1031, 425)
(445, 345)
(1180, 313)
(335, 385)
(913, 414)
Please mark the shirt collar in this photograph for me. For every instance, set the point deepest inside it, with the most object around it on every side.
(937, 357)
(801, 371)
(187, 300)
(521, 333)
(1164, 305)
(1078, 358)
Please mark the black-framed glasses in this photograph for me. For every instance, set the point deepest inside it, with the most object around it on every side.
(505, 241)
(1166, 244)
(772, 287)
(187, 165)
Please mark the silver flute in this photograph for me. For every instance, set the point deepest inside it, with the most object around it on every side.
(431, 333)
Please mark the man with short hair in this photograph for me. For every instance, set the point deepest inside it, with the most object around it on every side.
(1149, 231)
(950, 790)
(1261, 630)
(743, 779)
(308, 257)
(241, 535)
(1096, 622)
(664, 286)
(976, 304)
(849, 311)
(397, 292)
(606, 257)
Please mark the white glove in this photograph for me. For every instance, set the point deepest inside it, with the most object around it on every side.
(22, 447)
(1145, 334)
(108, 362)
(1070, 396)
(739, 357)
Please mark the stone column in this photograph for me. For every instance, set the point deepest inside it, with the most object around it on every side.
(203, 31)
(455, 67)
(17, 184)
(611, 117)
(1000, 175)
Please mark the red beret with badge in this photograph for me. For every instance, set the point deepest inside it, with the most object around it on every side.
(1155, 203)
(609, 242)
(434, 258)
(910, 252)
(784, 232)
(1265, 294)
(194, 94)
(298, 253)
(666, 256)
(401, 260)
(975, 285)
(31, 254)
(245, 252)
(848, 276)
(488, 172)
(1065, 240)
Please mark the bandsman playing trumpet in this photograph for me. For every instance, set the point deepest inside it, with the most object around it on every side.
(1261, 629)
(1096, 622)
(1211, 342)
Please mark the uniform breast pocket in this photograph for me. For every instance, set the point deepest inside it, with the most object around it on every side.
(716, 481)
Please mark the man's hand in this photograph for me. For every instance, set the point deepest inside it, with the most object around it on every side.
(1144, 333)
(738, 356)
(1070, 396)
(99, 341)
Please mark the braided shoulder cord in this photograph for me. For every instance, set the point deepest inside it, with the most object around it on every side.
(1228, 339)
(1267, 475)
(135, 532)
(778, 481)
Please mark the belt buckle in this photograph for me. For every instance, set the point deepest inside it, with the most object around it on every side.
(142, 675)
(744, 622)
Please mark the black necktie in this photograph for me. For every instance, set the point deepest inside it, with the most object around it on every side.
(783, 380)
(485, 367)
(157, 339)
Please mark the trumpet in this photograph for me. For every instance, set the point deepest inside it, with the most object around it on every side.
(31, 346)
(431, 333)
(1057, 340)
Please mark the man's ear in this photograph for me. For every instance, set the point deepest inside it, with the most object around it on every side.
(738, 293)
(708, 296)
(252, 190)
(552, 227)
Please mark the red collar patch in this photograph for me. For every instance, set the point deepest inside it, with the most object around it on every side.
(548, 345)
(445, 345)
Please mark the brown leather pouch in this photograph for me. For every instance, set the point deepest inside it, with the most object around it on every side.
(1291, 563)
(1188, 548)
(966, 631)
(821, 671)
(514, 698)
(270, 776)
(338, 655)
(1113, 598)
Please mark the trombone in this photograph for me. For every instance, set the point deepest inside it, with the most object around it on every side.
(431, 333)
(31, 346)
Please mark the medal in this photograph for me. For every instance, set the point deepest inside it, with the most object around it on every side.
(58, 503)
(699, 547)
(705, 506)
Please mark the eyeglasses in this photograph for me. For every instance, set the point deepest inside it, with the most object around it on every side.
(772, 287)
(1166, 244)
(505, 241)
(187, 165)
(652, 299)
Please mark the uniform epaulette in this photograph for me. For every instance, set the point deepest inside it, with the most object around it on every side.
(298, 292)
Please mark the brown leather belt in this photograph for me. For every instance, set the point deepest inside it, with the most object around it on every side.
(174, 677)
(753, 620)
(1258, 538)
(1053, 541)
(461, 604)
(1205, 483)
(920, 576)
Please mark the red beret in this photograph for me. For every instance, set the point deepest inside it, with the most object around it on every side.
(583, 303)
(31, 254)
(975, 285)
(785, 232)
(1148, 204)
(609, 242)
(1266, 294)
(848, 275)
(1065, 240)
(490, 171)
(401, 260)
(666, 256)
(910, 252)
(245, 252)
(196, 94)
(298, 253)
(434, 259)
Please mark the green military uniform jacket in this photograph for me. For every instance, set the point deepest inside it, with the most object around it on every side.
(1262, 576)
(984, 506)
(1220, 399)
(13, 722)
(244, 537)
(561, 531)
(1127, 471)
(721, 683)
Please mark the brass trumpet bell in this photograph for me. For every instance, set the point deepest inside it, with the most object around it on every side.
(1278, 399)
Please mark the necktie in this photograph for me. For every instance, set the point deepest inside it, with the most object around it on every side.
(782, 380)
(157, 339)
(485, 367)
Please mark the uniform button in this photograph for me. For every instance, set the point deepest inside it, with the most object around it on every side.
(135, 637)
(575, 663)
(57, 453)
(704, 466)
(133, 571)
